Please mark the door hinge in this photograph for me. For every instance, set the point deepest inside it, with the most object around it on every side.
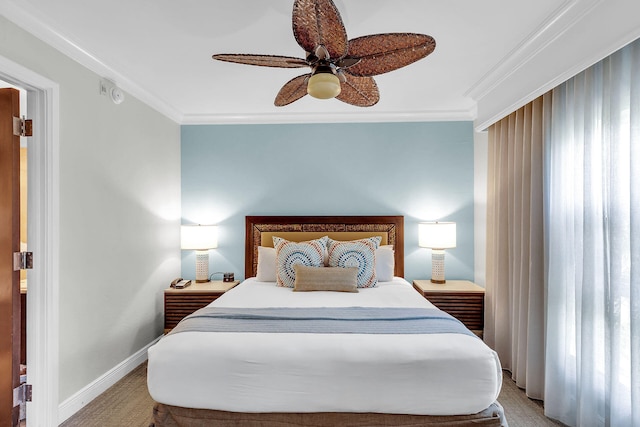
(22, 261)
(22, 394)
(22, 126)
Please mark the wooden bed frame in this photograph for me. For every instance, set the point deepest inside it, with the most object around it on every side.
(259, 230)
(390, 228)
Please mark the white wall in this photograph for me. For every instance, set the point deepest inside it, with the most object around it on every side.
(119, 201)
(480, 163)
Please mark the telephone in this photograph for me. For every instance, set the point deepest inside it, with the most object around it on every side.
(180, 283)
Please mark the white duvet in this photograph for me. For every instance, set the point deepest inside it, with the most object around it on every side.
(430, 374)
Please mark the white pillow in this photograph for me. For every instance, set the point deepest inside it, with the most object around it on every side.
(385, 263)
(266, 264)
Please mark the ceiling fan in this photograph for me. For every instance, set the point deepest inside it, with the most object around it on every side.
(340, 68)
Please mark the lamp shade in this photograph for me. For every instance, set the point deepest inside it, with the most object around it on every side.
(437, 235)
(199, 237)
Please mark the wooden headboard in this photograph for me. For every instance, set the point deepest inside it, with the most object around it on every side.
(260, 229)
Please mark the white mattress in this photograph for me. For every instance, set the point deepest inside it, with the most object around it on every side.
(430, 374)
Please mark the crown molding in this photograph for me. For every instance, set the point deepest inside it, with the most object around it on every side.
(356, 117)
(551, 55)
(518, 57)
(29, 22)
(538, 63)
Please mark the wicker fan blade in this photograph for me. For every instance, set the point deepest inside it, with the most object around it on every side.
(262, 60)
(318, 22)
(347, 61)
(381, 53)
(359, 91)
(293, 90)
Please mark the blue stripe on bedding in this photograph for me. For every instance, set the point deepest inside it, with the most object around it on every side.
(323, 320)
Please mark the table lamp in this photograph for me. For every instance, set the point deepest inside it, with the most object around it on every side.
(201, 238)
(437, 236)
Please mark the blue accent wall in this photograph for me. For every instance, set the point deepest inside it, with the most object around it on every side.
(423, 171)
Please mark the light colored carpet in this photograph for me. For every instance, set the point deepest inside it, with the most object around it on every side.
(128, 404)
(519, 409)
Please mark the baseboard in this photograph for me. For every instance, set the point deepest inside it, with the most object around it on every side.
(101, 384)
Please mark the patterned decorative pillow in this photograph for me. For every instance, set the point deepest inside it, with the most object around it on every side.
(356, 253)
(288, 254)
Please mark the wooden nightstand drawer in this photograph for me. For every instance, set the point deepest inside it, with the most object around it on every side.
(179, 303)
(176, 307)
(462, 299)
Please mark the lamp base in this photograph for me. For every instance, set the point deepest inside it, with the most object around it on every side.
(437, 266)
(202, 266)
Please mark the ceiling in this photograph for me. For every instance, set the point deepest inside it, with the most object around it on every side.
(491, 55)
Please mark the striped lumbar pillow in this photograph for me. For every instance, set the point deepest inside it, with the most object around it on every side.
(335, 279)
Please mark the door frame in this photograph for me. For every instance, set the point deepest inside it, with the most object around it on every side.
(43, 240)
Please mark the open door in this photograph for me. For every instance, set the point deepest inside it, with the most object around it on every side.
(9, 244)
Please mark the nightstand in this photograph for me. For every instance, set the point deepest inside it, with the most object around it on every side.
(462, 299)
(179, 303)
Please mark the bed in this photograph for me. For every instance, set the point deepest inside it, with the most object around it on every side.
(276, 370)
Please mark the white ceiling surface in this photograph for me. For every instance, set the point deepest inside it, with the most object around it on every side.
(491, 56)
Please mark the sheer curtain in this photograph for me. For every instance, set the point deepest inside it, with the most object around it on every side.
(514, 298)
(592, 197)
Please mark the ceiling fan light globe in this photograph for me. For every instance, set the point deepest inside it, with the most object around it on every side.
(324, 86)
